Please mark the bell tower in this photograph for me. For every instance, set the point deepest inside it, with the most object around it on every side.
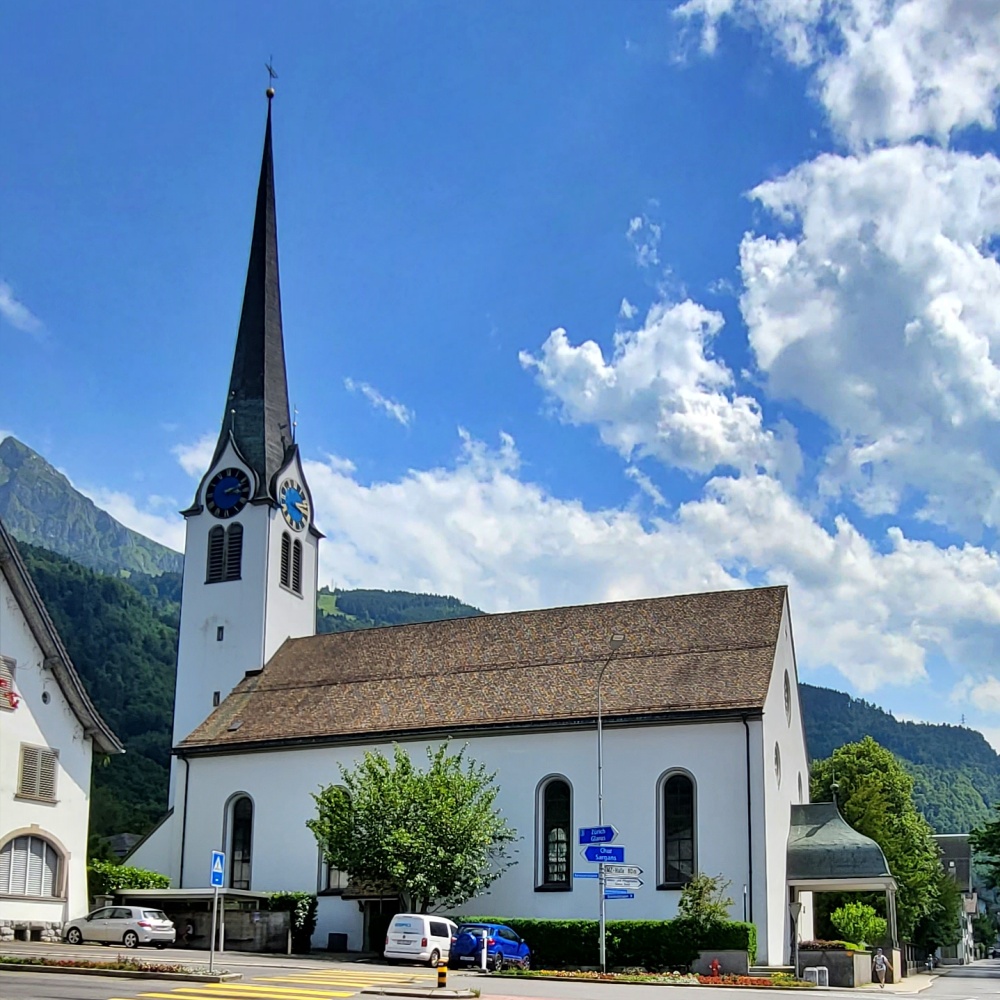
(250, 564)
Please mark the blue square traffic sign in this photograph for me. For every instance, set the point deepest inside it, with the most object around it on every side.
(218, 869)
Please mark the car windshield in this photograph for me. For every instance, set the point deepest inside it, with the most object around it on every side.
(154, 914)
(472, 928)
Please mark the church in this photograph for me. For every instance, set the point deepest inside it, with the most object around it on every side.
(704, 751)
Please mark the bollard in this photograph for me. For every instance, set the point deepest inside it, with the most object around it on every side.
(442, 975)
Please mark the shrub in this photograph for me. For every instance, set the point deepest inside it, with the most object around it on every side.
(302, 906)
(651, 944)
(104, 878)
(859, 922)
(704, 900)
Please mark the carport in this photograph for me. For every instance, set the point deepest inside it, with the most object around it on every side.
(196, 905)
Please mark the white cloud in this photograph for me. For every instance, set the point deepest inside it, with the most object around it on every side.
(17, 313)
(646, 485)
(660, 394)
(983, 694)
(627, 311)
(884, 69)
(879, 309)
(644, 236)
(399, 412)
(479, 531)
(195, 458)
(167, 529)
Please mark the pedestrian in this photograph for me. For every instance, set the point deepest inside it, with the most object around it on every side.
(879, 964)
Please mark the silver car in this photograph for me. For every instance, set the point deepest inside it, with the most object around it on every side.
(127, 925)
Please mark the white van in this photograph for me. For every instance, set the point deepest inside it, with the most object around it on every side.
(419, 937)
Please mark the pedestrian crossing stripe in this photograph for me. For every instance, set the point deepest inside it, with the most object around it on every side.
(231, 989)
(189, 994)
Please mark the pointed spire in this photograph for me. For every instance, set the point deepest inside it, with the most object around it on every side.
(257, 412)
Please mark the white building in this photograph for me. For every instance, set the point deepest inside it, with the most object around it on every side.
(49, 733)
(704, 744)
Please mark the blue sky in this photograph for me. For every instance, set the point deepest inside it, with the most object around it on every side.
(581, 300)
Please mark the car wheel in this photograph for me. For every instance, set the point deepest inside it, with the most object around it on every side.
(526, 962)
(434, 959)
(74, 936)
(131, 939)
(498, 962)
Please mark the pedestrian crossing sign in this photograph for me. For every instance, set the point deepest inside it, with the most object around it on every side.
(218, 868)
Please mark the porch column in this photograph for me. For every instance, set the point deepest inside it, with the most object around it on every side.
(890, 909)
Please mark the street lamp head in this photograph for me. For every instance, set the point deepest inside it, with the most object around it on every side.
(616, 640)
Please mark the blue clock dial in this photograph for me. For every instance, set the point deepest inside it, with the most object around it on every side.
(294, 504)
(227, 492)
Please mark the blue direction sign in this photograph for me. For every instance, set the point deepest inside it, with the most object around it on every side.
(218, 868)
(602, 852)
(597, 834)
(585, 875)
(618, 894)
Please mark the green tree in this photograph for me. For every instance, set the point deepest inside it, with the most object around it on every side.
(704, 901)
(940, 926)
(985, 841)
(435, 837)
(858, 923)
(875, 795)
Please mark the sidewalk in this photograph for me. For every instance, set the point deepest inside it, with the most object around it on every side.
(916, 983)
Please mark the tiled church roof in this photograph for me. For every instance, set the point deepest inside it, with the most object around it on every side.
(689, 654)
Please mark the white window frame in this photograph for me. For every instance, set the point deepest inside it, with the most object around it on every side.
(11, 871)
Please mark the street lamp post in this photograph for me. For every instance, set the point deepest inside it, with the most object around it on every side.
(614, 642)
(795, 908)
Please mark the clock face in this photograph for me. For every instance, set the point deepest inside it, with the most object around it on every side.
(227, 492)
(293, 503)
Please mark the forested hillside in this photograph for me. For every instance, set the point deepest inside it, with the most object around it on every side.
(38, 504)
(956, 772)
(345, 610)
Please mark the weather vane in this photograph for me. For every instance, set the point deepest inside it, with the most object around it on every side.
(271, 77)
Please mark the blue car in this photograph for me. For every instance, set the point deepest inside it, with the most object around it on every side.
(503, 947)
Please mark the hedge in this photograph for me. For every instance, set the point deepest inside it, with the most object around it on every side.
(651, 944)
(104, 878)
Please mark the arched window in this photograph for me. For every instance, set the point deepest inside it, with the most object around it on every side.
(554, 829)
(286, 559)
(297, 566)
(29, 866)
(234, 551)
(240, 842)
(677, 830)
(216, 555)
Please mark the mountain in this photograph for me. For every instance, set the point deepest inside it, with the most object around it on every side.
(344, 610)
(39, 505)
(956, 772)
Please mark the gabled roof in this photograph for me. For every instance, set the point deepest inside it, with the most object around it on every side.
(19, 580)
(688, 656)
(256, 415)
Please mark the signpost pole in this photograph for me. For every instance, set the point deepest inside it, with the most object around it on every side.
(600, 815)
(215, 910)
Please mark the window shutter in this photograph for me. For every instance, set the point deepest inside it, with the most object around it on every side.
(7, 697)
(19, 866)
(50, 868)
(216, 553)
(29, 866)
(297, 566)
(234, 552)
(5, 857)
(36, 857)
(286, 558)
(38, 773)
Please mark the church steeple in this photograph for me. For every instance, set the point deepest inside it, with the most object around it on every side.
(257, 413)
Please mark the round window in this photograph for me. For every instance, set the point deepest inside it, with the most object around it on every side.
(788, 698)
(46, 697)
(777, 763)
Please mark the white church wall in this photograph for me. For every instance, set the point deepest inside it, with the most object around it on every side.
(784, 744)
(285, 853)
(50, 722)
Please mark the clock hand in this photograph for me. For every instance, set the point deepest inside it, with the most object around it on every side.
(302, 508)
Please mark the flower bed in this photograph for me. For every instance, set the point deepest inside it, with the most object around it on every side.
(683, 978)
(121, 964)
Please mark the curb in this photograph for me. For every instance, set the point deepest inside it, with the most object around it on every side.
(183, 977)
(624, 982)
(402, 991)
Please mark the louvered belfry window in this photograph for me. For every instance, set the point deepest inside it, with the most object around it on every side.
(234, 551)
(216, 555)
(29, 866)
(286, 559)
(297, 566)
(37, 777)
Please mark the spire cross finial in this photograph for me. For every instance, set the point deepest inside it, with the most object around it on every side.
(271, 77)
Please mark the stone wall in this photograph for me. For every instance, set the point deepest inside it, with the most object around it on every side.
(49, 931)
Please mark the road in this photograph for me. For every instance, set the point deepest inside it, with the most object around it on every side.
(277, 977)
